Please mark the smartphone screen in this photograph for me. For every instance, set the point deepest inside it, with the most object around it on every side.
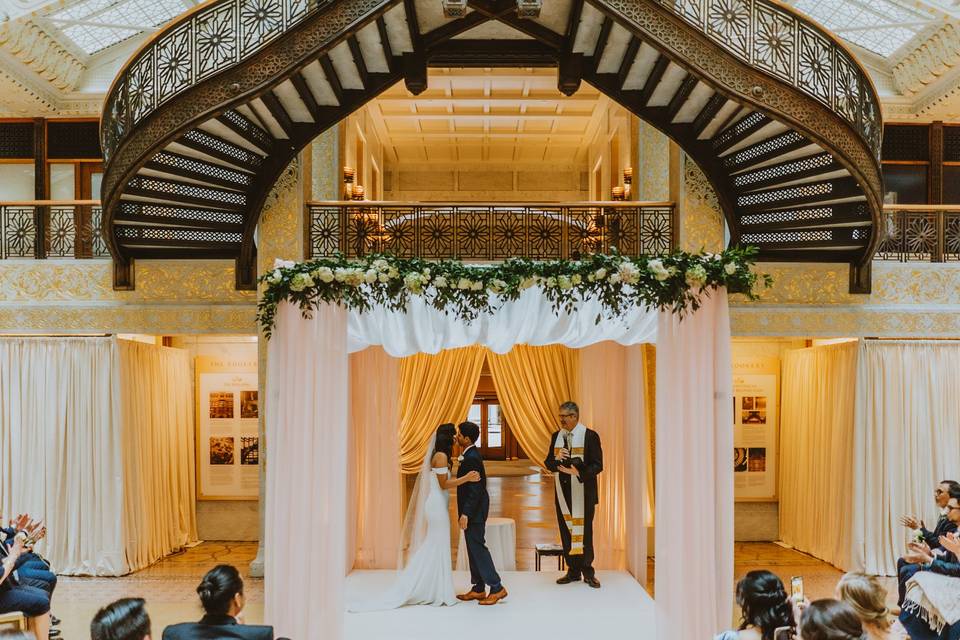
(796, 588)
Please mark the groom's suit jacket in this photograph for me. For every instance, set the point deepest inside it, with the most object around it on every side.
(473, 500)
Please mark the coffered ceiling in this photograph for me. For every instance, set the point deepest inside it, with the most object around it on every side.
(487, 115)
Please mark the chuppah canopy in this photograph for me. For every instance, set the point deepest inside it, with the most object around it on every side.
(318, 311)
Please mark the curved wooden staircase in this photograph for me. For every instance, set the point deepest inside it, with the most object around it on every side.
(201, 122)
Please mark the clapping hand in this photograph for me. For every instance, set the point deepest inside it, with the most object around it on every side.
(951, 543)
(919, 553)
(911, 522)
(20, 522)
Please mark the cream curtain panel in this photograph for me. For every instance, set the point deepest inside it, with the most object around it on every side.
(434, 389)
(159, 470)
(376, 486)
(531, 383)
(907, 439)
(818, 391)
(86, 445)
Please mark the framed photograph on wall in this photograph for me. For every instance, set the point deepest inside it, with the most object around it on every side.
(228, 436)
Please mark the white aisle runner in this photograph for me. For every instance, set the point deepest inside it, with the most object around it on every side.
(621, 609)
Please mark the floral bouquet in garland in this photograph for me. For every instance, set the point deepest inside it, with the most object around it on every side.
(675, 281)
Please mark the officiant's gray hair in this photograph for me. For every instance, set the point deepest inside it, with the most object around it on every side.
(571, 407)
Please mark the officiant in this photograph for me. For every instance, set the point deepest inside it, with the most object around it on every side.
(575, 458)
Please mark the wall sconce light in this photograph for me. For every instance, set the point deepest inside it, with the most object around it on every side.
(349, 173)
(358, 193)
(529, 8)
(628, 175)
(616, 193)
(454, 8)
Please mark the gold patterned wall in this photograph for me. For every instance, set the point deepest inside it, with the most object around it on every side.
(701, 221)
(652, 175)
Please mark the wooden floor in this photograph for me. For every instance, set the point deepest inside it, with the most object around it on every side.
(169, 586)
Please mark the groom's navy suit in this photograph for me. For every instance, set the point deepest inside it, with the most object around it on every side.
(473, 501)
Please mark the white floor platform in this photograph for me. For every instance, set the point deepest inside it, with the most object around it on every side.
(620, 609)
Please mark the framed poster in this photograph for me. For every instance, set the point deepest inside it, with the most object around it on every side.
(228, 435)
(756, 395)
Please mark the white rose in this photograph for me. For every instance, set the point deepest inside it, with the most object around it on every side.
(564, 282)
(370, 276)
(600, 274)
(614, 278)
(659, 272)
(283, 264)
(696, 276)
(392, 273)
(730, 268)
(576, 279)
(413, 282)
(380, 264)
(464, 284)
(440, 282)
(275, 277)
(301, 281)
(383, 277)
(629, 273)
(477, 286)
(551, 282)
(340, 274)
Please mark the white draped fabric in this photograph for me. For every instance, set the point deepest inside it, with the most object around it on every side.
(307, 422)
(528, 320)
(907, 412)
(694, 492)
(816, 449)
(60, 452)
(307, 411)
(96, 438)
(638, 479)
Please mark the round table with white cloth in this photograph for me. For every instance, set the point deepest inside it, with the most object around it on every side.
(501, 537)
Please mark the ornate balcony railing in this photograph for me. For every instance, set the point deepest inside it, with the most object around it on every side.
(41, 229)
(776, 39)
(476, 231)
(920, 233)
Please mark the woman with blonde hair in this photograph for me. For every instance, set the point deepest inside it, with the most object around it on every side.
(867, 597)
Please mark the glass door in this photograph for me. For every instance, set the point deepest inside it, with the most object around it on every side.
(486, 413)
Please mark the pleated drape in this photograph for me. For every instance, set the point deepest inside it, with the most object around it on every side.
(434, 389)
(816, 450)
(159, 469)
(375, 480)
(531, 383)
(907, 412)
(96, 438)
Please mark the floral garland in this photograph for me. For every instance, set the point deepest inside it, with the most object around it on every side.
(675, 281)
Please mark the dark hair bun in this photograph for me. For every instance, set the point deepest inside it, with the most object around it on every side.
(218, 588)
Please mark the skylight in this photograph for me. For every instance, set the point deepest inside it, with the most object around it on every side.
(94, 25)
(881, 26)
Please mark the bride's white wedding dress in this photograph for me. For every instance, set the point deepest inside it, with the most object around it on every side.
(426, 573)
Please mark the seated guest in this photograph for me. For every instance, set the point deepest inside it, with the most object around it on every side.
(931, 607)
(940, 495)
(125, 619)
(32, 570)
(764, 607)
(930, 545)
(34, 603)
(221, 594)
(830, 620)
(867, 597)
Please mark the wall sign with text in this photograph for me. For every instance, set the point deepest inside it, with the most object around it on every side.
(228, 437)
(756, 395)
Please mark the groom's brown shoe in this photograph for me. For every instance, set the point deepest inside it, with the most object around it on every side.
(471, 595)
(494, 598)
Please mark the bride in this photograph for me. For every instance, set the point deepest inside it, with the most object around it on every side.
(425, 573)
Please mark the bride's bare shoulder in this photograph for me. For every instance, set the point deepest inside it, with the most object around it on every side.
(439, 460)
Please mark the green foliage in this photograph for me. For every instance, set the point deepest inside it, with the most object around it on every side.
(675, 281)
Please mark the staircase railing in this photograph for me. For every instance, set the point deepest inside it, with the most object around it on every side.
(794, 49)
(920, 233)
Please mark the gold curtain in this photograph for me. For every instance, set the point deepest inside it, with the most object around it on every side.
(434, 389)
(531, 383)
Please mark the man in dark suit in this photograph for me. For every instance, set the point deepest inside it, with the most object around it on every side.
(217, 627)
(473, 505)
(575, 456)
(946, 523)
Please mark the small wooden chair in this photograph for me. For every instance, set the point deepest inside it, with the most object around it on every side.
(15, 619)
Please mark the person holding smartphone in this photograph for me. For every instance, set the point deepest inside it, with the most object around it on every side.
(764, 608)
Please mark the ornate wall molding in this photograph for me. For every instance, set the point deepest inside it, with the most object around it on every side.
(41, 53)
(152, 319)
(929, 61)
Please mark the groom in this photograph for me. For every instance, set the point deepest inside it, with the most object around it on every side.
(473, 503)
